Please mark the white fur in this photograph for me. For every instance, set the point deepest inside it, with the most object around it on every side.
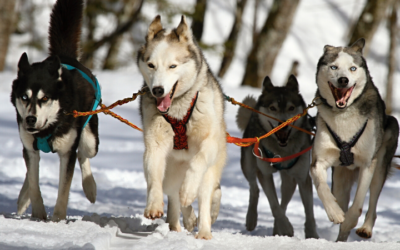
(183, 175)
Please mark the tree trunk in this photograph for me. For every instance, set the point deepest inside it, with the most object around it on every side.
(393, 31)
(255, 17)
(230, 44)
(368, 22)
(7, 18)
(111, 59)
(269, 42)
(91, 46)
(198, 19)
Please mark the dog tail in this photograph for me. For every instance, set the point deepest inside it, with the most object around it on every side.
(65, 28)
(243, 115)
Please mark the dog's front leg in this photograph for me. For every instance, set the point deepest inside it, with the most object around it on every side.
(204, 158)
(319, 176)
(67, 166)
(32, 159)
(354, 212)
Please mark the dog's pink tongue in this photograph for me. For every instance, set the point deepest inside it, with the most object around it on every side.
(163, 103)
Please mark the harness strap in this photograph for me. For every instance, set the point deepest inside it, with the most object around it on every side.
(179, 126)
(346, 156)
(42, 143)
(273, 160)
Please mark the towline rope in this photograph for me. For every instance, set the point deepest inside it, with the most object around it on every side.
(242, 142)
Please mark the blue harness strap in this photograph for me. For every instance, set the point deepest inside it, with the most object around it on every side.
(42, 143)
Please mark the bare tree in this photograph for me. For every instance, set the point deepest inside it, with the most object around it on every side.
(123, 14)
(230, 43)
(7, 20)
(269, 42)
(198, 18)
(90, 47)
(368, 22)
(393, 31)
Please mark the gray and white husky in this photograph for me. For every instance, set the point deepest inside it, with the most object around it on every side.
(354, 135)
(41, 94)
(282, 103)
(184, 128)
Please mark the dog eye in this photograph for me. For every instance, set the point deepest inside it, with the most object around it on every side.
(291, 108)
(44, 99)
(334, 67)
(24, 97)
(151, 65)
(173, 66)
(353, 68)
(272, 108)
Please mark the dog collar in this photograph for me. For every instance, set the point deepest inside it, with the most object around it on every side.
(42, 143)
(277, 165)
(179, 126)
(346, 156)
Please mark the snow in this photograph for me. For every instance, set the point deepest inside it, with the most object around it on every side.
(115, 221)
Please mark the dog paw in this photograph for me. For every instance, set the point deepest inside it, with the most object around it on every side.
(251, 220)
(364, 233)
(154, 211)
(283, 227)
(57, 216)
(335, 213)
(204, 235)
(89, 188)
(39, 212)
(175, 228)
(187, 195)
(190, 223)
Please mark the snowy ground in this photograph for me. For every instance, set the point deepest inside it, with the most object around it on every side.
(116, 221)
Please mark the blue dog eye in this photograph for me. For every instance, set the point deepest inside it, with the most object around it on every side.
(24, 97)
(353, 68)
(173, 66)
(334, 67)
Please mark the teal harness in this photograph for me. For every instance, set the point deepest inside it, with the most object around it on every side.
(42, 143)
(277, 165)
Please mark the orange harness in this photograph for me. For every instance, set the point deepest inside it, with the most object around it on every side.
(179, 126)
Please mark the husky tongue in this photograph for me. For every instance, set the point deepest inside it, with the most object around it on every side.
(341, 95)
(164, 103)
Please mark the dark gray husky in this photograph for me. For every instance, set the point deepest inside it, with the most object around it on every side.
(354, 135)
(41, 94)
(282, 103)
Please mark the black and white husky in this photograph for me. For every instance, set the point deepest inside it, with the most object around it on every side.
(42, 94)
(354, 135)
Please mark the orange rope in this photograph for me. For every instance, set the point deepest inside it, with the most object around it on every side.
(108, 112)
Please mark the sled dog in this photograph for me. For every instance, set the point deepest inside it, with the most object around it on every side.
(354, 135)
(282, 103)
(184, 128)
(42, 93)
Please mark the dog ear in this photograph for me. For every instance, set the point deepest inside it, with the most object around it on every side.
(267, 84)
(328, 48)
(23, 65)
(292, 84)
(154, 28)
(183, 31)
(358, 45)
(53, 65)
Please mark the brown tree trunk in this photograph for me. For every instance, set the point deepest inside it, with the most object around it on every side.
(198, 18)
(230, 44)
(269, 42)
(111, 59)
(255, 17)
(368, 22)
(91, 46)
(7, 18)
(393, 31)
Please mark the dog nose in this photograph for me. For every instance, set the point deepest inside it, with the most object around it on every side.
(31, 120)
(158, 91)
(343, 81)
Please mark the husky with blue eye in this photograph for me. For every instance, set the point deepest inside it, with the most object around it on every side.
(42, 94)
(354, 136)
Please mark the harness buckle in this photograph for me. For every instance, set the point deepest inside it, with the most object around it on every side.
(260, 151)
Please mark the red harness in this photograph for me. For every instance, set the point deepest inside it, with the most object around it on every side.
(179, 126)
